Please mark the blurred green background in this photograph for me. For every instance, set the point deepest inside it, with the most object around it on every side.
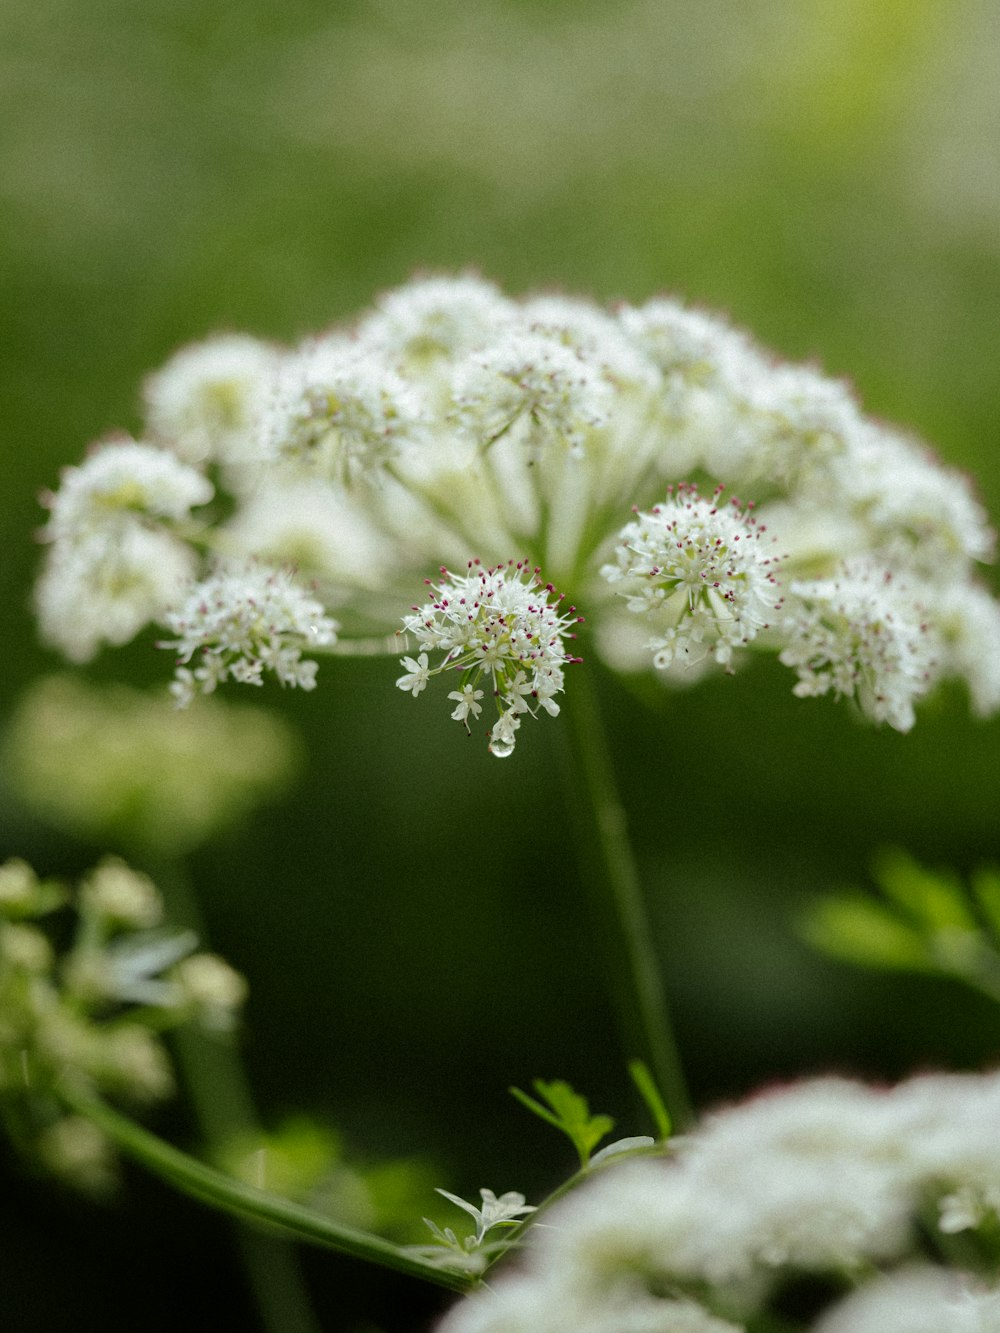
(408, 914)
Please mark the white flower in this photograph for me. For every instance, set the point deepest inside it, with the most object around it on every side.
(304, 523)
(864, 635)
(495, 1211)
(203, 403)
(417, 675)
(242, 621)
(915, 509)
(496, 624)
(917, 1300)
(699, 573)
(339, 411)
(532, 384)
(468, 703)
(452, 420)
(968, 621)
(105, 587)
(436, 317)
(121, 480)
(502, 733)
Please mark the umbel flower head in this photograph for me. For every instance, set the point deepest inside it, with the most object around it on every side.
(496, 626)
(287, 502)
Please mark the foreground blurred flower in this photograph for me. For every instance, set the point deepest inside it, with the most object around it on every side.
(454, 425)
(826, 1177)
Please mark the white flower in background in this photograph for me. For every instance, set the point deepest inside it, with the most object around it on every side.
(108, 586)
(452, 422)
(338, 411)
(304, 524)
(437, 317)
(533, 384)
(864, 635)
(968, 622)
(700, 573)
(205, 401)
(241, 622)
(499, 626)
(915, 509)
(122, 480)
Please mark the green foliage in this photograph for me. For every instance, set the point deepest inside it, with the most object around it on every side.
(923, 921)
(651, 1095)
(569, 1112)
(305, 1161)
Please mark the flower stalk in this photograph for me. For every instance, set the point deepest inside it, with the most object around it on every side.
(608, 868)
(245, 1202)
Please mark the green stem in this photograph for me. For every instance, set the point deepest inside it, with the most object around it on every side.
(223, 1107)
(608, 867)
(220, 1191)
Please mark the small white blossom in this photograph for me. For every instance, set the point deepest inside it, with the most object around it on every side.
(700, 574)
(417, 675)
(467, 704)
(242, 621)
(916, 510)
(595, 336)
(494, 1211)
(304, 523)
(968, 621)
(496, 624)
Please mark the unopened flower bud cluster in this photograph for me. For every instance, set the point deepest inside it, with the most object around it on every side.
(90, 1017)
(855, 1186)
(694, 497)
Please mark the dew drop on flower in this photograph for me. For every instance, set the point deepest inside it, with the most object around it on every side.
(502, 746)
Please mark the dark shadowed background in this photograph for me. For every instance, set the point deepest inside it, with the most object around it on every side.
(408, 914)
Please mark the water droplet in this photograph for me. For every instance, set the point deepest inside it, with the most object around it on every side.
(502, 747)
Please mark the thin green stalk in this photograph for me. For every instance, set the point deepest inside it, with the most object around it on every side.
(229, 1195)
(220, 1097)
(608, 867)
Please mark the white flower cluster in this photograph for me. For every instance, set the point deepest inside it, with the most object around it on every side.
(698, 573)
(452, 422)
(242, 621)
(499, 624)
(115, 560)
(826, 1177)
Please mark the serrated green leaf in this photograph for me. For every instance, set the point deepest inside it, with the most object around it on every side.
(933, 898)
(569, 1113)
(536, 1108)
(858, 930)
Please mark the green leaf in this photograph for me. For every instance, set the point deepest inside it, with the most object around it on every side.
(858, 930)
(933, 898)
(568, 1112)
(986, 889)
(651, 1095)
